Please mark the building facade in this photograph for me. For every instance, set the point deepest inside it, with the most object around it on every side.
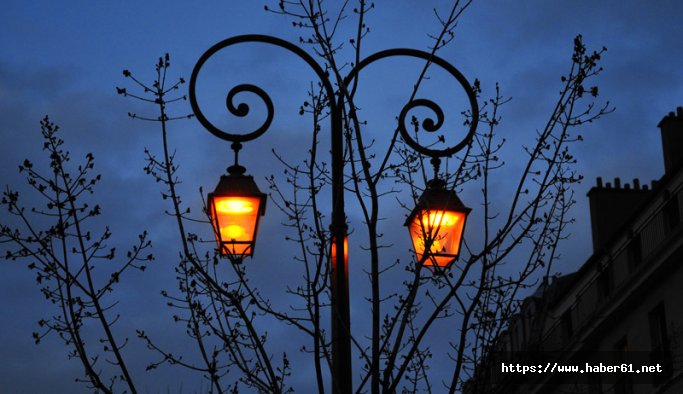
(623, 306)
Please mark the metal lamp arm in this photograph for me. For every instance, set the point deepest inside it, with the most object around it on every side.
(428, 124)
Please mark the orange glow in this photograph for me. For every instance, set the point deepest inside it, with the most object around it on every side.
(234, 205)
(444, 219)
(233, 231)
(236, 218)
(346, 250)
(441, 232)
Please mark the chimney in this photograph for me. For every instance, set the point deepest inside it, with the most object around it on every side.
(672, 139)
(611, 208)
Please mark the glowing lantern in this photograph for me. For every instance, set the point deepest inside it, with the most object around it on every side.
(235, 208)
(436, 226)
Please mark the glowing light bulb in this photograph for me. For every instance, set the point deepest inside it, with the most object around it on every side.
(234, 205)
(233, 231)
(439, 218)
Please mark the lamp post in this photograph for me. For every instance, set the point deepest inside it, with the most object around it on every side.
(236, 204)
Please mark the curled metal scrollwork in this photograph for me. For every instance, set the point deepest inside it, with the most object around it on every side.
(242, 109)
(428, 124)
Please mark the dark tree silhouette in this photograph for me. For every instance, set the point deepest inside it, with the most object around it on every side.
(227, 317)
(58, 241)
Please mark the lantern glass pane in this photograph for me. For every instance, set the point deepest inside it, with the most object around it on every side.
(236, 219)
(439, 231)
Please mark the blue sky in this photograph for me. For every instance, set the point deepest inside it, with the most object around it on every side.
(65, 61)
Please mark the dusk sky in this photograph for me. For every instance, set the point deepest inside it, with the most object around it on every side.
(64, 59)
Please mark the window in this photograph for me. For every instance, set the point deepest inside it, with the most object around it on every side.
(567, 327)
(672, 214)
(659, 341)
(595, 383)
(621, 351)
(623, 384)
(635, 251)
(605, 282)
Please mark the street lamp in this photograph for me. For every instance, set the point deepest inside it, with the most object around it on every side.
(436, 226)
(235, 207)
(236, 204)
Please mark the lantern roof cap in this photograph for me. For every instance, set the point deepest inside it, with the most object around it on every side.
(437, 197)
(238, 185)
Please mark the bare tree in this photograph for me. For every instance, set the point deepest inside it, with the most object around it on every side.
(478, 298)
(60, 243)
(224, 313)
